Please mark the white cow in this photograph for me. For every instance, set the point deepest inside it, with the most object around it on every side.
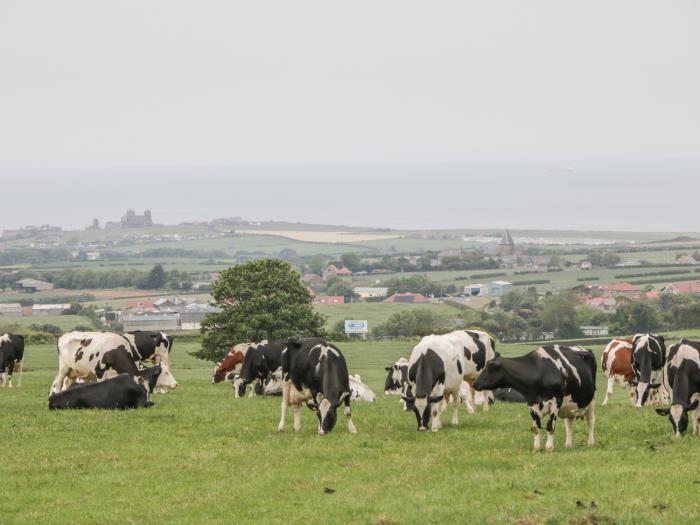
(359, 391)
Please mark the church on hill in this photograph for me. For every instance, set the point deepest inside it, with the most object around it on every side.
(506, 247)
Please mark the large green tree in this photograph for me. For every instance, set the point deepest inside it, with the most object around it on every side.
(259, 300)
(156, 277)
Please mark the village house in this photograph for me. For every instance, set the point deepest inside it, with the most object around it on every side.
(620, 289)
(329, 299)
(332, 270)
(689, 287)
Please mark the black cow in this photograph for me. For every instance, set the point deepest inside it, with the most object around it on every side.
(682, 378)
(259, 363)
(315, 371)
(556, 380)
(120, 392)
(648, 360)
(11, 355)
(508, 395)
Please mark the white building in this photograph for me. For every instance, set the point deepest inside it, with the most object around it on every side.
(497, 288)
(365, 292)
(476, 290)
(10, 310)
(49, 309)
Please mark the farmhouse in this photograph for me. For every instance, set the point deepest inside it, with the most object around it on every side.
(497, 288)
(691, 287)
(406, 298)
(49, 309)
(333, 270)
(620, 289)
(32, 285)
(329, 299)
(366, 292)
(10, 310)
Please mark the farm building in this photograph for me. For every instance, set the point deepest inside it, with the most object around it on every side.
(616, 289)
(136, 304)
(476, 290)
(366, 292)
(594, 330)
(497, 288)
(691, 287)
(194, 314)
(49, 309)
(329, 299)
(406, 298)
(10, 310)
(32, 285)
(158, 322)
(332, 270)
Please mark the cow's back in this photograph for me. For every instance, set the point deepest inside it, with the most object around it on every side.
(617, 359)
(449, 350)
(82, 352)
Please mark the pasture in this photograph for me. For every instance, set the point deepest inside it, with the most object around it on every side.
(202, 456)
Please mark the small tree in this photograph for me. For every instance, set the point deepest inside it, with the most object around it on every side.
(259, 300)
(317, 264)
(156, 277)
(352, 261)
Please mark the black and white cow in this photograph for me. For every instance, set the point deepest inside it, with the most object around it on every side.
(558, 381)
(648, 360)
(154, 347)
(435, 372)
(259, 363)
(479, 348)
(120, 392)
(316, 372)
(682, 380)
(396, 378)
(92, 355)
(11, 356)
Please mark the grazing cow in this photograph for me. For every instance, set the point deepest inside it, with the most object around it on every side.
(648, 360)
(359, 391)
(259, 362)
(682, 379)
(616, 362)
(479, 348)
(120, 392)
(315, 371)
(154, 347)
(90, 355)
(435, 372)
(555, 380)
(232, 363)
(11, 355)
(275, 384)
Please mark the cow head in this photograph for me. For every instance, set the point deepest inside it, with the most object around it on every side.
(492, 376)
(641, 392)
(151, 377)
(422, 408)
(678, 416)
(166, 379)
(222, 368)
(327, 413)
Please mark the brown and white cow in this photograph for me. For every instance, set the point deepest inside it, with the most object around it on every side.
(617, 365)
(232, 363)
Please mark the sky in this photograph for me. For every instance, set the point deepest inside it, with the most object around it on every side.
(405, 114)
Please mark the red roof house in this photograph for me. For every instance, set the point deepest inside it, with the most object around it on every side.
(329, 299)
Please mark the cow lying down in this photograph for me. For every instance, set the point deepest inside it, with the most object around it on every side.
(358, 390)
(120, 392)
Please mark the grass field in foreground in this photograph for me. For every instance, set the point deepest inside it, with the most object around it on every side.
(201, 456)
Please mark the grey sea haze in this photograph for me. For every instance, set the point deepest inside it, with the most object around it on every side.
(556, 195)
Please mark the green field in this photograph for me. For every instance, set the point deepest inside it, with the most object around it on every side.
(378, 313)
(201, 456)
(64, 322)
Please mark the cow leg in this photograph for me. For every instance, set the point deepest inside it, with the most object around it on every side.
(469, 399)
(348, 415)
(609, 391)
(58, 381)
(20, 368)
(536, 425)
(4, 377)
(297, 416)
(456, 401)
(485, 394)
(590, 420)
(552, 423)
(8, 372)
(569, 427)
(285, 404)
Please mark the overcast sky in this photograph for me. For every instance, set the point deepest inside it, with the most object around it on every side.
(538, 114)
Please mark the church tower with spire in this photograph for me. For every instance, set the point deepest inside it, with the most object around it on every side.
(506, 246)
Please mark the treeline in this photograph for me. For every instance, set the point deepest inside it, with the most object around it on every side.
(86, 279)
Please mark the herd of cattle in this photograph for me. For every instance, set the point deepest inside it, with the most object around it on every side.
(107, 370)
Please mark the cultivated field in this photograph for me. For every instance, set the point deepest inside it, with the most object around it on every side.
(201, 456)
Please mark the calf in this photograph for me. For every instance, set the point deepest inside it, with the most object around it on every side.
(555, 380)
(682, 379)
(92, 355)
(315, 371)
(359, 391)
(479, 348)
(259, 362)
(435, 372)
(648, 360)
(120, 392)
(617, 365)
(154, 347)
(11, 355)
